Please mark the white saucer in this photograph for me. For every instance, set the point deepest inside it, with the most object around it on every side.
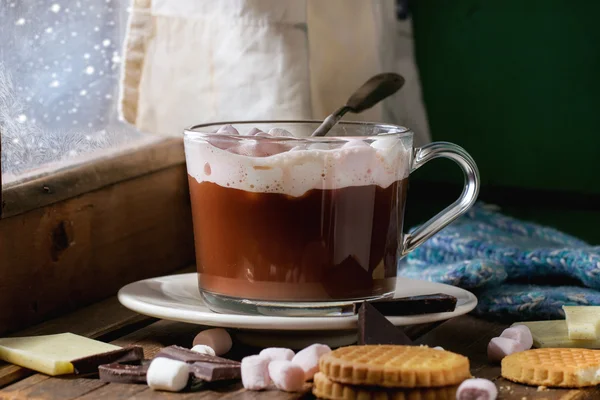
(176, 297)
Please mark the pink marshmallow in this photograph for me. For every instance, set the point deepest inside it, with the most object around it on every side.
(521, 334)
(477, 389)
(228, 129)
(278, 353)
(286, 375)
(218, 339)
(500, 347)
(255, 372)
(256, 132)
(308, 359)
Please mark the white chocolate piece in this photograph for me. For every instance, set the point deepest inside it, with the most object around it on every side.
(500, 347)
(218, 339)
(204, 349)
(167, 374)
(50, 354)
(477, 389)
(308, 359)
(286, 375)
(255, 372)
(552, 334)
(278, 353)
(521, 334)
(583, 322)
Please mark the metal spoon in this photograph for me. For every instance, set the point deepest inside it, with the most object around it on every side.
(370, 93)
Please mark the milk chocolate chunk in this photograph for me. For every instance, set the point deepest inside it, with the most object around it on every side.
(124, 373)
(416, 305)
(186, 355)
(89, 364)
(211, 372)
(374, 328)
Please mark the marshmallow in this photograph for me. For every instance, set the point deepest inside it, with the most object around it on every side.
(218, 339)
(438, 348)
(286, 375)
(477, 389)
(319, 146)
(278, 353)
(354, 143)
(204, 349)
(256, 132)
(308, 359)
(255, 372)
(167, 374)
(521, 334)
(228, 129)
(500, 347)
(280, 132)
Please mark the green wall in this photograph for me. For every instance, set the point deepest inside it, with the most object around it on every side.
(517, 83)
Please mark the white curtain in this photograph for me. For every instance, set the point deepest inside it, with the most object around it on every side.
(195, 61)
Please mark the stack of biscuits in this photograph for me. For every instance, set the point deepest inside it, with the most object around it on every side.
(395, 372)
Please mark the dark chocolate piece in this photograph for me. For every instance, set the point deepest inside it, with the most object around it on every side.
(186, 355)
(124, 373)
(211, 372)
(89, 364)
(374, 328)
(416, 305)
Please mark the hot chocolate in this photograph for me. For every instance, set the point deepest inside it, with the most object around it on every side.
(295, 221)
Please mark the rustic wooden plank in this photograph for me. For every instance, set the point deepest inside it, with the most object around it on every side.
(84, 249)
(232, 392)
(114, 391)
(52, 389)
(469, 336)
(57, 182)
(29, 381)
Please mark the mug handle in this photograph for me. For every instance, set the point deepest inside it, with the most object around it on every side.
(459, 207)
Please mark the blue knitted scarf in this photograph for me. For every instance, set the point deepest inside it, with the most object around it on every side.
(518, 270)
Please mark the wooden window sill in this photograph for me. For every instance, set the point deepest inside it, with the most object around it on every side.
(75, 236)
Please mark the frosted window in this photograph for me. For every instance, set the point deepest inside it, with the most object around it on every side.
(59, 74)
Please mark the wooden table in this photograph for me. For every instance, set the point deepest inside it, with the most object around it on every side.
(109, 321)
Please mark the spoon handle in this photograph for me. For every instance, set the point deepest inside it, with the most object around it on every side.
(330, 121)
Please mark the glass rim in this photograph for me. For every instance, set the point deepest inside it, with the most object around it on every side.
(401, 131)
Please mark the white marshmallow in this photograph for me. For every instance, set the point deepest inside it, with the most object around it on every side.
(384, 143)
(204, 349)
(308, 359)
(355, 143)
(477, 389)
(438, 348)
(228, 129)
(255, 372)
(280, 132)
(500, 347)
(167, 374)
(278, 353)
(521, 334)
(286, 375)
(319, 146)
(256, 132)
(218, 339)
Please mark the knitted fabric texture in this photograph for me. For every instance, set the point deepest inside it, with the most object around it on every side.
(508, 263)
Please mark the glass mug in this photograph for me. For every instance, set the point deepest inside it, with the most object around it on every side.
(289, 224)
